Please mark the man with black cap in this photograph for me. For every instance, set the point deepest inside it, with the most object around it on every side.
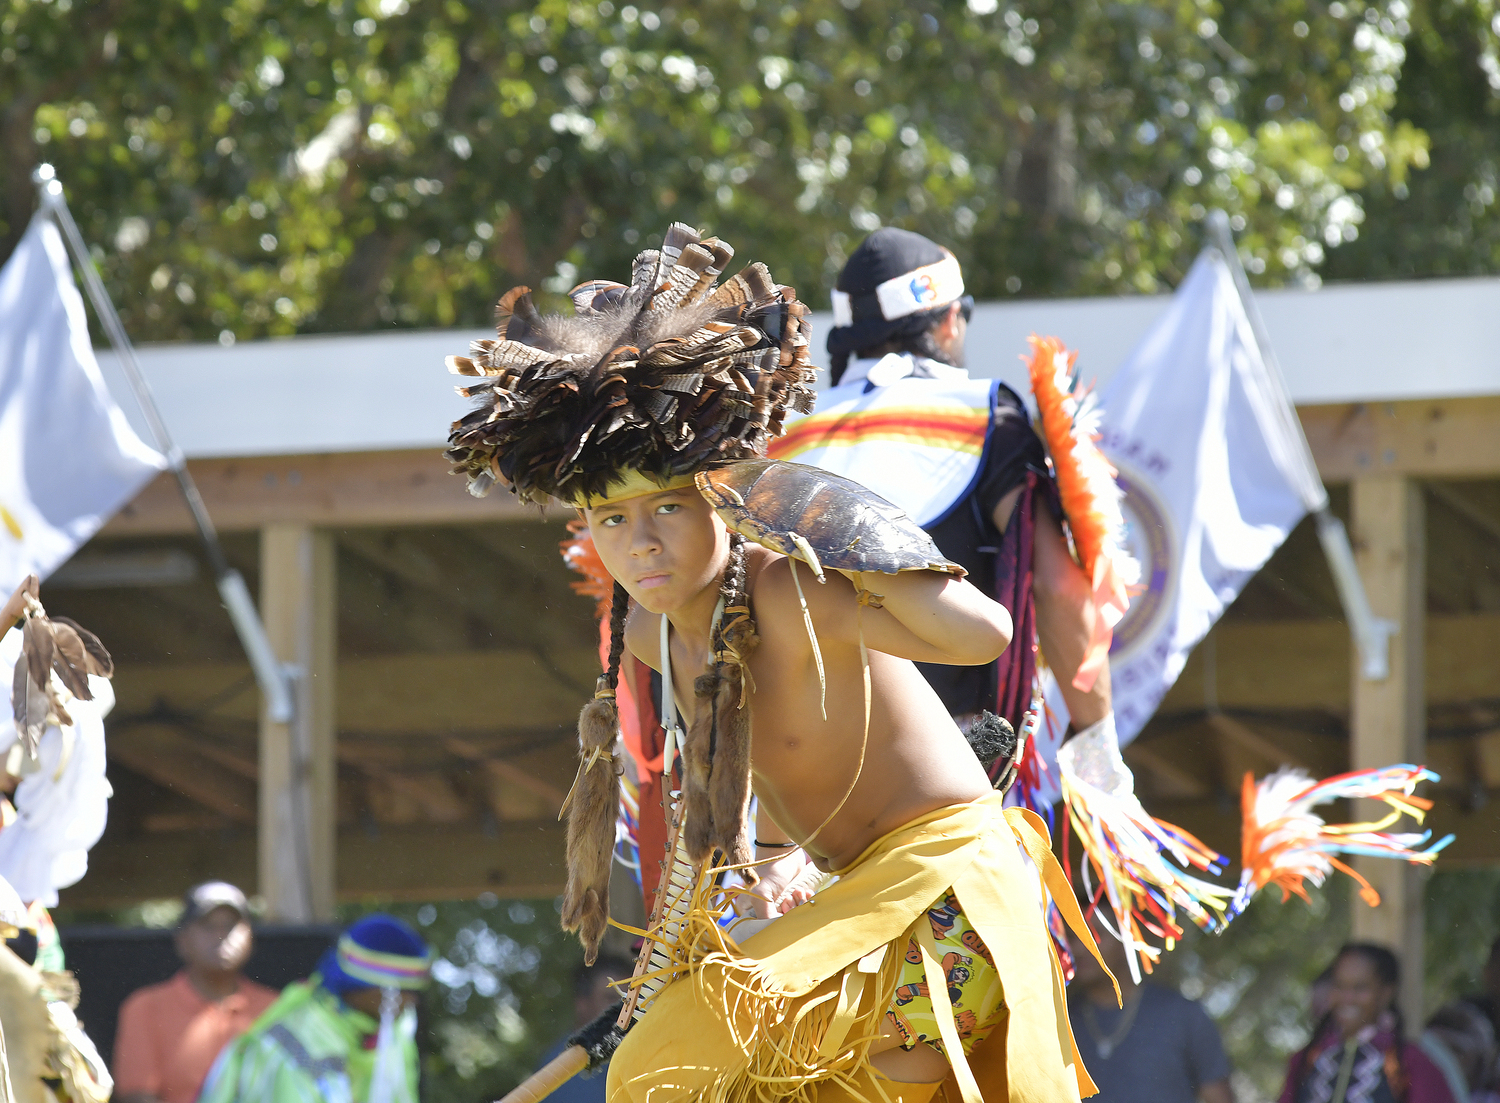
(170, 1033)
(960, 456)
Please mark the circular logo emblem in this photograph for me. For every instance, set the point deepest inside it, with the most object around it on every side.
(1149, 537)
(923, 289)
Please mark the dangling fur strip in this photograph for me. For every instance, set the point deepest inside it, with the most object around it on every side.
(592, 805)
(716, 752)
(697, 764)
(729, 782)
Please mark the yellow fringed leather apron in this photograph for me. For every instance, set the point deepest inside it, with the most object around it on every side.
(791, 1014)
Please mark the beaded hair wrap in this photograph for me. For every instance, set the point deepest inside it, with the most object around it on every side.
(642, 385)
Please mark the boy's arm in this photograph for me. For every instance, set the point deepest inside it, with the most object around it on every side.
(924, 616)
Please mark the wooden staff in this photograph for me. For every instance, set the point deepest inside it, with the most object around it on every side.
(597, 1042)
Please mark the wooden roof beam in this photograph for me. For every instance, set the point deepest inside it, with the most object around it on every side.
(1445, 438)
(416, 862)
(1441, 438)
(169, 758)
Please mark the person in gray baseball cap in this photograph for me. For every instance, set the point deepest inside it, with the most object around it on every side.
(170, 1033)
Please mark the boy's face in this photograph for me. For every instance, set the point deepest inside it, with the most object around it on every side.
(664, 548)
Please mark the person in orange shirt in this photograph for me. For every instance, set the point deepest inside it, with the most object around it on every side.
(170, 1033)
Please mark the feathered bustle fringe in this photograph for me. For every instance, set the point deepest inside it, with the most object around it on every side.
(592, 807)
(1128, 851)
(1071, 416)
(1286, 844)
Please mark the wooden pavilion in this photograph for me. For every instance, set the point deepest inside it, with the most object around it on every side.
(442, 655)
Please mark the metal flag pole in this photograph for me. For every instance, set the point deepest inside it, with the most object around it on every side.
(274, 677)
(1371, 633)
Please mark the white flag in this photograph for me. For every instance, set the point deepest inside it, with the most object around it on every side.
(68, 458)
(1214, 473)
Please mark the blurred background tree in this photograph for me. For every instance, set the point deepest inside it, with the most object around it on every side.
(502, 992)
(247, 169)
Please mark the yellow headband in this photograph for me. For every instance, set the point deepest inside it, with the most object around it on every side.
(630, 484)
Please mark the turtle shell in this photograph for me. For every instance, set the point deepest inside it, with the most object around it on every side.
(820, 518)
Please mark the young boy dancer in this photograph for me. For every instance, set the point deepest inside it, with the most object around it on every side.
(927, 961)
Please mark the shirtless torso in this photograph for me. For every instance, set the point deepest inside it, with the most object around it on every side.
(915, 759)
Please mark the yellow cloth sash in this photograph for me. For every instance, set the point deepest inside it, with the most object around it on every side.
(974, 849)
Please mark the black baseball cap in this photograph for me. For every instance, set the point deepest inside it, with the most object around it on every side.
(893, 284)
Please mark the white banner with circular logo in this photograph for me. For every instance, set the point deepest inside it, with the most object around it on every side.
(1188, 425)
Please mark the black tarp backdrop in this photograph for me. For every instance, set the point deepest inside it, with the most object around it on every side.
(112, 962)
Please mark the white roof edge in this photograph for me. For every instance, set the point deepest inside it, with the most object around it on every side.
(366, 392)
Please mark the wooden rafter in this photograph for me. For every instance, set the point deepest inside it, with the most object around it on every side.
(169, 758)
(336, 489)
(415, 862)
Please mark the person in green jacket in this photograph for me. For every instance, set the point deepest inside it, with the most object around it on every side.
(347, 1034)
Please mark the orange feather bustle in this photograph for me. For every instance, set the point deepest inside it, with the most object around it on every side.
(1070, 415)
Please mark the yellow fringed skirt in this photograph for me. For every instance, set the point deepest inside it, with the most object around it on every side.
(791, 1014)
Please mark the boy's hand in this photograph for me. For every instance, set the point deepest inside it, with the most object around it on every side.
(29, 587)
(783, 885)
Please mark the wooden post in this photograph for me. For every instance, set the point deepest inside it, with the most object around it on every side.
(1388, 718)
(299, 601)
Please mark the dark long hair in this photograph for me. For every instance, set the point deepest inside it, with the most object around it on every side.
(913, 335)
(1388, 971)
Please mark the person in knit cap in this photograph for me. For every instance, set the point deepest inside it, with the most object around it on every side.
(347, 1034)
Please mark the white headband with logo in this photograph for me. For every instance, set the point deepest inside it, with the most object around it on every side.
(930, 286)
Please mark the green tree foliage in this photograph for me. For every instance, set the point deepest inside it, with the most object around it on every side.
(252, 168)
(1444, 221)
(502, 992)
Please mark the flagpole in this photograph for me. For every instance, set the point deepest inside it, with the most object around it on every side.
(1371, 633)
(272, 675)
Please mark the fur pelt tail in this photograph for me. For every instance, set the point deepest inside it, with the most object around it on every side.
(716, 755)
(592, 807)
(697, 765)
(730, 781)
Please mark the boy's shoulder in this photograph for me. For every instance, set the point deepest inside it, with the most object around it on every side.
(778, 584)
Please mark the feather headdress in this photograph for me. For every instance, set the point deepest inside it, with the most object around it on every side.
(663, 377)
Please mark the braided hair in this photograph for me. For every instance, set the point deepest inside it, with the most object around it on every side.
(716, 752)
(619, 608)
